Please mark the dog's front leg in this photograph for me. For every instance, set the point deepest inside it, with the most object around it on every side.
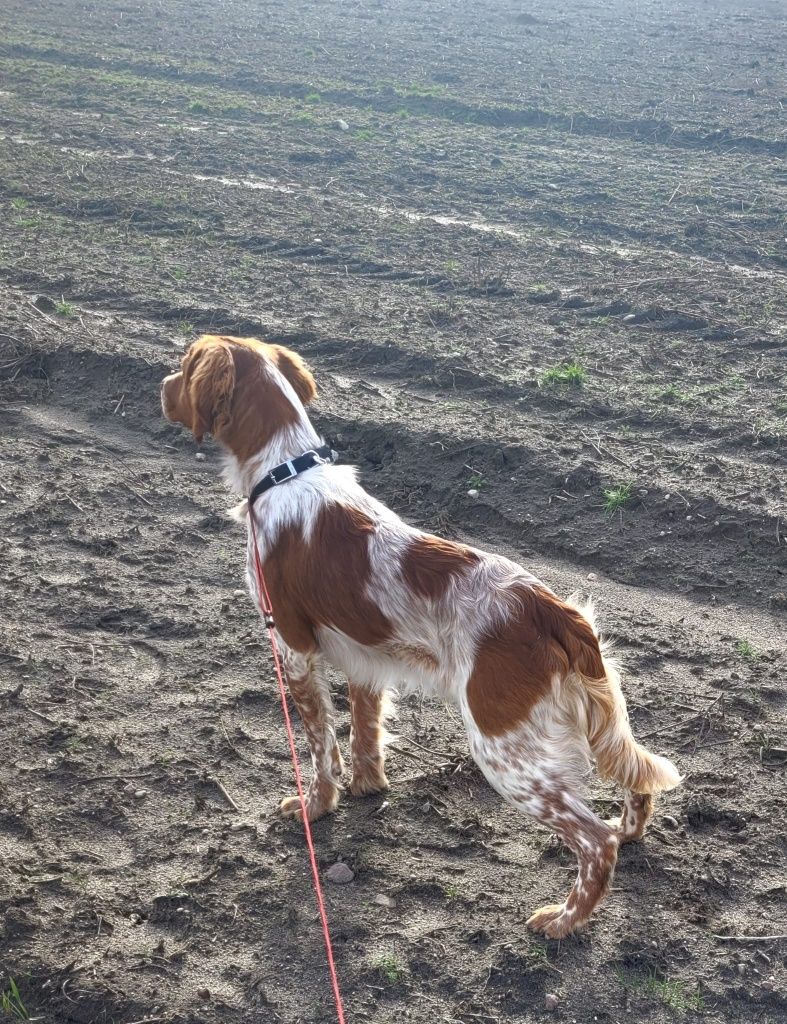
(312, 697)
(367, 734)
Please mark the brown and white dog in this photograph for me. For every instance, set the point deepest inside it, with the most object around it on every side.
(397, 609)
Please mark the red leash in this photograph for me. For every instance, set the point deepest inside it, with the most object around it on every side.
(267, 613)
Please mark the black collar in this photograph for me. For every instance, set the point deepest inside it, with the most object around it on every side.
(293, 467)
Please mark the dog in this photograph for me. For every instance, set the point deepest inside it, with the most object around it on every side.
(394, 608)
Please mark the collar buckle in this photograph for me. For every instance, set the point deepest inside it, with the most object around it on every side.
(281, 474)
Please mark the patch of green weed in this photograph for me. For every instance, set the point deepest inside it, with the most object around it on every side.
(390, 967)
(11, 1002)
(616, 498)
(571, 374)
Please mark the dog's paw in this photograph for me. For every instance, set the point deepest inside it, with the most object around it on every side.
(552, 921)
(363, 783)
(318, 803)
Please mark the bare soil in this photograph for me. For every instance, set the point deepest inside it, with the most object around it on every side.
(441, 206)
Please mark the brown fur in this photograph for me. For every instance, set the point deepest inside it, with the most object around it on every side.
(430, 564)
(223, 389)
(310, 584)
(515, 665)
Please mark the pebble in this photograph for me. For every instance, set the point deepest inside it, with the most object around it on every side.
(339, 874)
(384, 901)
(342, 124)
(140, 794)
(592, 576)
(551, 1001)
(203, 993)
(629, 319)
(473, 492)
(669, 820)
(200, 456)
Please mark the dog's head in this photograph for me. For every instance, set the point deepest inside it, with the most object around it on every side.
(240, 390)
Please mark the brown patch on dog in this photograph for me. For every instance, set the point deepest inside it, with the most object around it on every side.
(516, 662)
(429, 564)
(293, 368)
(323, 582)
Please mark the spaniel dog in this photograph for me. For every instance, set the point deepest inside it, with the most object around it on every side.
(394, 608)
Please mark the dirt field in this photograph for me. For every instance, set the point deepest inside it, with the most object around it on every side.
(535, 255)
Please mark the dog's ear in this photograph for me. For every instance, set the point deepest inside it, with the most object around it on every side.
(292, 367)
(210, 380)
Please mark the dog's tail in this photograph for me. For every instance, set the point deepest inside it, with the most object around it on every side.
(592, 688)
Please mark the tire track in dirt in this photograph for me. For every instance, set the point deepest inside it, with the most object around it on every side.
(400, 365)
(643, 130)
(715, 254)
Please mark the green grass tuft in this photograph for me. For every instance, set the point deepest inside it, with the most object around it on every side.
(747, 650)
(616, 498)
(571, 374)
(390, 967)
(669, 991)
(11, 1002)
(64, 308)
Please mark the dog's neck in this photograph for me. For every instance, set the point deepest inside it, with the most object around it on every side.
(286, 443)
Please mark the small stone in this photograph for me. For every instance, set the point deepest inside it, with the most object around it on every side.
(339, 874)
(629, 319)
(200, 456)
(592, 576)
(551, 1001)
(140, 794)
(473, 492)
(342, 125)
(238, 593)
(384, 901)
(669, 820)
(203, 994)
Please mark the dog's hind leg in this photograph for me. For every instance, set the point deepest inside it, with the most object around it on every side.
(311, 695)
(526, 767)
(634, 816)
